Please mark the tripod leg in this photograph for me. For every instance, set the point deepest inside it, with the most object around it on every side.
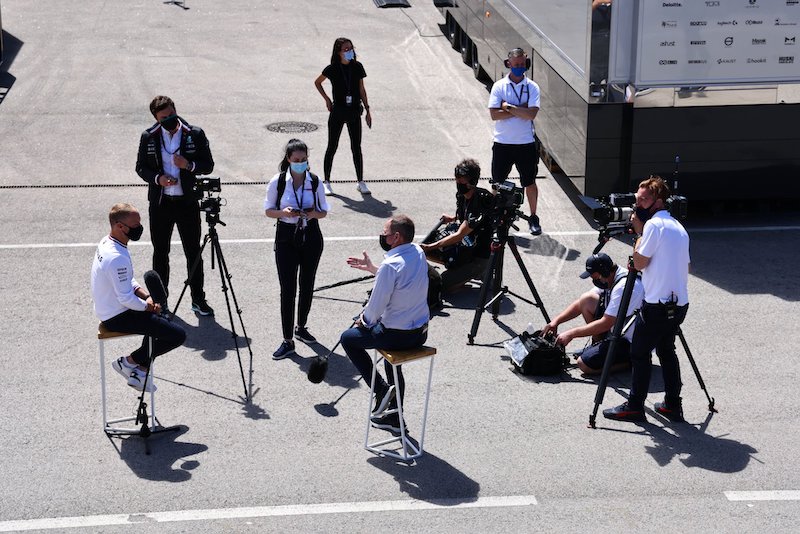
(488, 278)
(188, 281)
(225, 278)
(696, 370)
(616, 333)
(512, 244)
(497, 282)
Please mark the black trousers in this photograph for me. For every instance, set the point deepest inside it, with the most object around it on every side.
(655, 330)
(184, 213)
(336, 121)
(166, 335)
(297, 253)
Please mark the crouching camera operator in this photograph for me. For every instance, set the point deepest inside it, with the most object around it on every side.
(599, 308)
(464, 251)
(662, 255)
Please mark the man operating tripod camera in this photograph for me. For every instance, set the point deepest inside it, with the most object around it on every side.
(473, 205)
(662, 255)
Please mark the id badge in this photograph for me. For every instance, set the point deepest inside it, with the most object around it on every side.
(348, 100)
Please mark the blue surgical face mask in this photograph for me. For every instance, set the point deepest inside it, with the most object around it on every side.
(299, 167)
(518, 71)
(349, 55)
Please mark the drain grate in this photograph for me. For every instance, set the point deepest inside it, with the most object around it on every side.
(292, 127)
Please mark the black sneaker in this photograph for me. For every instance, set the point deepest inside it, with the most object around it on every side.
(535, 227)
(671, 411)
(286, 349)
(390, 422)
(202, 308)
(301, 333)
(623, 412)
(382, 400)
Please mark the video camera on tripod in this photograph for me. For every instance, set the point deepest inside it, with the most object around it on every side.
(204, 189)
(612, 213)
(505, 208)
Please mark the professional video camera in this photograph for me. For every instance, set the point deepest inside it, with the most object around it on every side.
(505, 208)
(508, 196)
(616, 209)
(204, 189)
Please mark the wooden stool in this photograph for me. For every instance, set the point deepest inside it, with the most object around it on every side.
(104, 335)
(396, 358)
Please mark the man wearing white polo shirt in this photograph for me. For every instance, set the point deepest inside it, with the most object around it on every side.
(513, 104)
(662, 255)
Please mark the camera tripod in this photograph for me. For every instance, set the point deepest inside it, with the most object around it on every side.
(494, 277)
(212, 218)
(616, 334)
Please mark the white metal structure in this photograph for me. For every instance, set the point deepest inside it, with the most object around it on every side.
(396, 358)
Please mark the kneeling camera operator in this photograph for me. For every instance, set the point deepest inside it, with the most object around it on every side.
(463, 245)
(599, 308)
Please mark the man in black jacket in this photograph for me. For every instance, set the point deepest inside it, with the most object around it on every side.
(171, 155)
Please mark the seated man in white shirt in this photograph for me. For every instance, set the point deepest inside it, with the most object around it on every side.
(122, 305)
(396, 316)
(599, 308)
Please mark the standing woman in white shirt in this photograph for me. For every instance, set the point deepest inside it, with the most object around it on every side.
(296, 200)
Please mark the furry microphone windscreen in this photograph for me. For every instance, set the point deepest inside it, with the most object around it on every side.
(318, 369)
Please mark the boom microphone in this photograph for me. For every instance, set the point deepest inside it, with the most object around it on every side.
(152, 280)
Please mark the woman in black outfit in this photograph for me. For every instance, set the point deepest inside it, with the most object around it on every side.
(347, 81)
(294, 198)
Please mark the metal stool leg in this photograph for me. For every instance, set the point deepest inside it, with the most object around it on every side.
(425, 411)
(375, 360)
(102, 352)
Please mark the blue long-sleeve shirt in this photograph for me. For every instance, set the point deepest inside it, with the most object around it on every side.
(399, 298)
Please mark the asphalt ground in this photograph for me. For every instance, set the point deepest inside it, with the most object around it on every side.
(503, 451)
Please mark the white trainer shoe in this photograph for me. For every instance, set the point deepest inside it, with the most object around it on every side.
(134, 375)
(363, 189)
(326, 184)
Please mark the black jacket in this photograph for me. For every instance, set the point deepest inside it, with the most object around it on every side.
(194, 147)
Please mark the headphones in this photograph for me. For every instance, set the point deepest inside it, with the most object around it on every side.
(507, 63)
(469, 173)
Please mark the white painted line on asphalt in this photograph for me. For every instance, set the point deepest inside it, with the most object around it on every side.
(740, 229)
(767, 495)
(261, 511)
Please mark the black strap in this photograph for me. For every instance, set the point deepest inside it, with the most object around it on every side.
(282, 188)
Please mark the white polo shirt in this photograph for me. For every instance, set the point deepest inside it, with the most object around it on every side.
(665, 241)
(514, 131)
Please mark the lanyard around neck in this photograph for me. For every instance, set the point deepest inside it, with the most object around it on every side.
(522, 90)
(302, 191)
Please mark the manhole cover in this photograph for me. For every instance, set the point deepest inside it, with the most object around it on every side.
(292, 127)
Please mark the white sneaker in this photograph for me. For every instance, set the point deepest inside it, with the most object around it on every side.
(133, 374)
(326, 184)
(122, 366)
(363, 189)
(136, 381)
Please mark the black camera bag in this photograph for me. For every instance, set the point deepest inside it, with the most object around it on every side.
(544, 357)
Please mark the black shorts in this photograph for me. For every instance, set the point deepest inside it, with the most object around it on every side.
(594, 356)
(525, 157)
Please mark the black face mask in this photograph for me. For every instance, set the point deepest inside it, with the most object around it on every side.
(134, 232)
(600, 284)
(463, 189)
(170, 123)
(384, 245)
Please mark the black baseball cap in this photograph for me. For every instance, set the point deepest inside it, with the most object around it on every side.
(598, 263)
